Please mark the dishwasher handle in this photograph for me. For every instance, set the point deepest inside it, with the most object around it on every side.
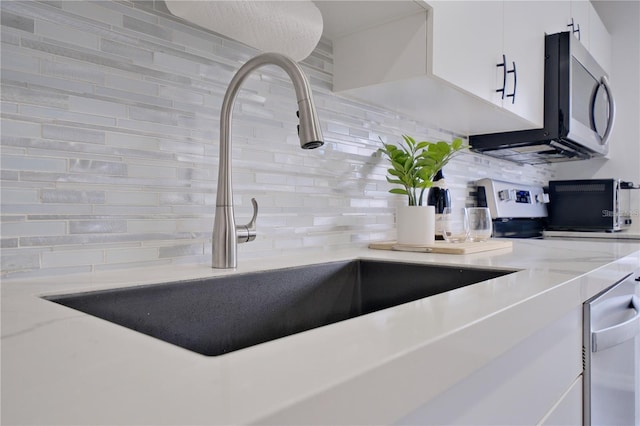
(619, 333)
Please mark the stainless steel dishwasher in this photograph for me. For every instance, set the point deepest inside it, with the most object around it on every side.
(611, 349)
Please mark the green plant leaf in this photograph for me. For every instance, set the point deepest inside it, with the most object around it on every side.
(426, 161)
(422, 145)
(409, 140)
(390, 148)
(408, 163)
(397, 166)
(398, 156)
(398, 191)
(394, 181)
(426, 174)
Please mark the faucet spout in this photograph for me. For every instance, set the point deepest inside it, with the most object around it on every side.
(226, 235)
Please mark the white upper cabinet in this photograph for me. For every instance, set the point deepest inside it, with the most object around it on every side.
(599, 40)
(525, 24)
(442, 61)
(578, 21)
(392, 51)
(523, 47)
(466, 41)
(494, 50)
(580, 17)
(558, 16)
(390, 65)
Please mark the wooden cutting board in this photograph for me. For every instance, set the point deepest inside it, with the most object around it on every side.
(444, 247)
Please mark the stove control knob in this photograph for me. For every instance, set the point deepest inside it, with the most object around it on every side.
(542, 198)
(507, 194)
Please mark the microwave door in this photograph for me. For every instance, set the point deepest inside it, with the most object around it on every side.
(592, 106)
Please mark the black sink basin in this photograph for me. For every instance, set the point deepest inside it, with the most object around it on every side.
(214, 316)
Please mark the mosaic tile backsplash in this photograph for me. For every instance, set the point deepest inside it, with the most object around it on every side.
(110, 117)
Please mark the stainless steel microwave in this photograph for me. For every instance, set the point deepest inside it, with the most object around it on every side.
(579, 111)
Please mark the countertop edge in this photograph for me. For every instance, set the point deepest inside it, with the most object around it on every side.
(590, 269)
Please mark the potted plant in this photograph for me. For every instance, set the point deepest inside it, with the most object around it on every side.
(413, 167)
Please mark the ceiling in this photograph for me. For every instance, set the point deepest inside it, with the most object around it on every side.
(618, 13)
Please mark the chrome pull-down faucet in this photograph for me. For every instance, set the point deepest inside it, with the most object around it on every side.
(226, 235)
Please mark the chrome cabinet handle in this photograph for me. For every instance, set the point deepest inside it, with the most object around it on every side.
(612, 110)
(246, 233)
(504, 75)
(515, 83)
(619, 333)
(575, 28)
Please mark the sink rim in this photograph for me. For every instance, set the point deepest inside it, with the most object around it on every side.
(218, 273)
(211, 335)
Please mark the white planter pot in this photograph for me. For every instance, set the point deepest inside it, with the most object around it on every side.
(416, 225)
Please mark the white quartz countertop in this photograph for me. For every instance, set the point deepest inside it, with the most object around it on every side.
(622, 235)
(60, 366)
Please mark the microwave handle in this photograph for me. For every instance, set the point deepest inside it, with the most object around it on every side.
(612, 109)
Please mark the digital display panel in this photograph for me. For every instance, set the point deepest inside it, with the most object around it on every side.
(523, 197)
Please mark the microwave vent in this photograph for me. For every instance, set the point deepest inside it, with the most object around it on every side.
(592, 187)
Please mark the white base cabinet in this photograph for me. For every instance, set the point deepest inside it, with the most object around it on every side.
(568, 411)
(527, 385)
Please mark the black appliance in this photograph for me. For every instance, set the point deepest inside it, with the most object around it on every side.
(579, 111)
(588, 205)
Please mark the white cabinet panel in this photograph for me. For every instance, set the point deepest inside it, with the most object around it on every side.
(599, 40)
(521, 387)
(387, 65)
(467, 44)
(593, 34)
(524, 46)
(580, 16)
(469, 41)
(568, 411)
(558, 16)
(393, 51)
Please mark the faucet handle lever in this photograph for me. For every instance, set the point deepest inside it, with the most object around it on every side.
(246, 233)
(252, 223)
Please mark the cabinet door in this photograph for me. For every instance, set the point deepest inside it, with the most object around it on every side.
(568, 411)
(599, 40)
(520, 387)
(467, 42)
(580, 16)
(558, 16)
(524, 30)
